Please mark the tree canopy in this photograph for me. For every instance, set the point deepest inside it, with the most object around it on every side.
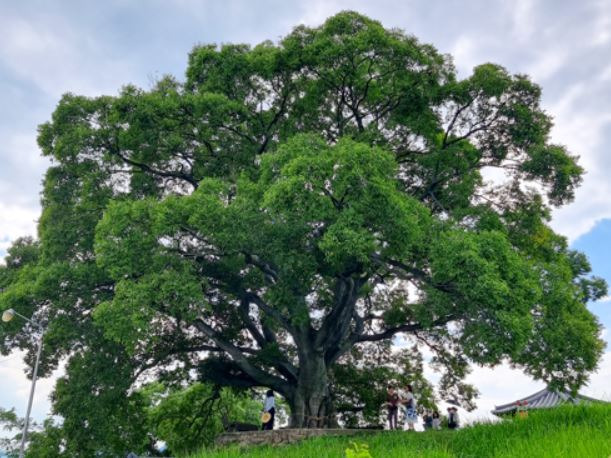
(281, 215)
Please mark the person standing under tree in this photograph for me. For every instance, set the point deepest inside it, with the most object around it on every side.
(269, 411)
(427, 420)
(392, 404)
(453, 421)
(409, 403)
(522, 409)
(436, 421)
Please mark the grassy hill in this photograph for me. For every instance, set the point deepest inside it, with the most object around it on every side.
(563, 432)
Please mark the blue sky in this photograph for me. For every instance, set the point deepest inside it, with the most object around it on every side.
(92, 47)
(597, 245)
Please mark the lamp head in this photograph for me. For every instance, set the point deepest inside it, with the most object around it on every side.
(8, 315)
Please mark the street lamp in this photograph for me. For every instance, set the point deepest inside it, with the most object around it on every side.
(7, 316)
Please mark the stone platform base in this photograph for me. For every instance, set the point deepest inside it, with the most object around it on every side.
(283, 436)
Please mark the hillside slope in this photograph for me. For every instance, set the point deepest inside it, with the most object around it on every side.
(563, 432)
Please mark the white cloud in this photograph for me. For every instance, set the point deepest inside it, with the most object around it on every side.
(57, 57)
(317, 11)
(24, 152)
(582, 129)
(16, 221)
(605, 75)
(522, 13)
(546, 64)
(15, 388)
(601, 32)
(599, 386)
(503, 384)
(576, 124)
(590, 207)
(465, 54)
(500, 385)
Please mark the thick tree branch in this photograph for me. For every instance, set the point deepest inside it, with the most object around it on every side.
(160, 359)
(274, 121)
(244, 310)
(262, 377)
(413, 273)
(344, 299)
(145, 167)
(444, 143)
(272, 312)
(264, 338)
(479, 127)
(333, 335)
(266, 268)
(344, 345)
(408, 327)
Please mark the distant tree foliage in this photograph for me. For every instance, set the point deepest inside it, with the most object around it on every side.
(186, 419)
(12, 426)
(283, 214)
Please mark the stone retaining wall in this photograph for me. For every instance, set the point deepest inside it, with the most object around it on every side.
(282, 436)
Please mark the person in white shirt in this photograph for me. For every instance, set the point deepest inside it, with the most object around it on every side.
(409, 403)
(269, 407)
(436, 421)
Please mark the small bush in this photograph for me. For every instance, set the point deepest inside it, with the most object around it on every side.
(358, 451)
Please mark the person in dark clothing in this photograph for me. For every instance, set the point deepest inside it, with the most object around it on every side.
(392, 404)
(453, 421)
(270, 408)
(427, 420)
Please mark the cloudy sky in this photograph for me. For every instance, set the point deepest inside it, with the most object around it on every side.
(48, 48)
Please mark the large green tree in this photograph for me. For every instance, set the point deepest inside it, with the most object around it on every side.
(290, 208)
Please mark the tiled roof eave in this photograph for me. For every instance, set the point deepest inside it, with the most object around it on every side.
(541, 400)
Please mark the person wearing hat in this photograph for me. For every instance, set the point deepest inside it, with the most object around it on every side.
(453, 418)
(269, 411)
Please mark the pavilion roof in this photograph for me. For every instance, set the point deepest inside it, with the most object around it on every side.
(541, 400)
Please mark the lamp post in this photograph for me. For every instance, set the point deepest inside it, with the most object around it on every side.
(7, 316)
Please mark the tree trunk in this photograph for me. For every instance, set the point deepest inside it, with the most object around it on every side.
(312, 404)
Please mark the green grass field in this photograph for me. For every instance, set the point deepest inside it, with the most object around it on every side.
(563, 432)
